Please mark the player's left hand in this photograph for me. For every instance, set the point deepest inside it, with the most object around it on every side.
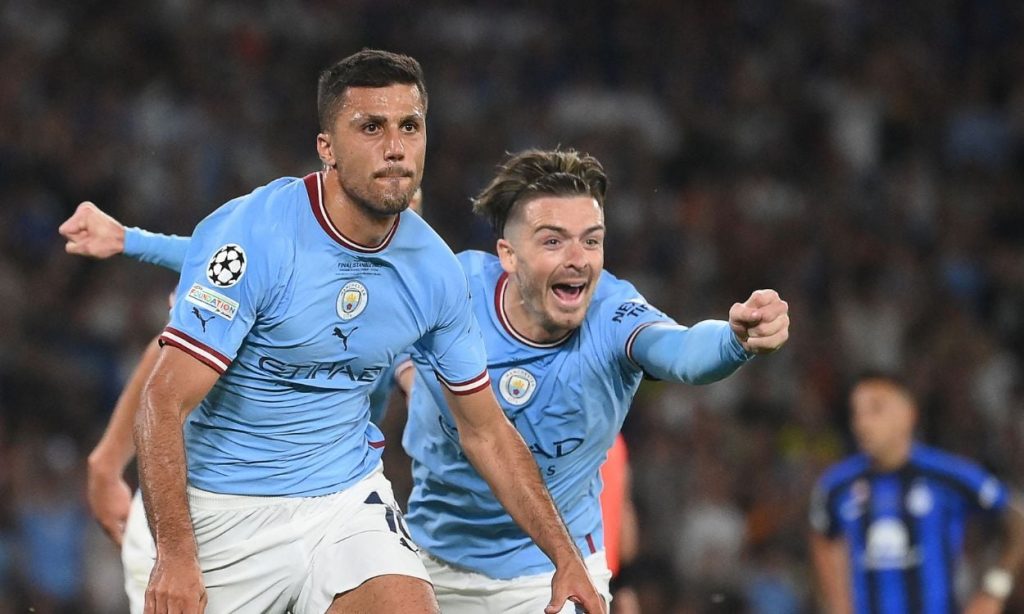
(573, 583)
(983, 603)
(761, 323)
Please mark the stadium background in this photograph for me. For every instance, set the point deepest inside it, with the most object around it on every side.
(864, 157)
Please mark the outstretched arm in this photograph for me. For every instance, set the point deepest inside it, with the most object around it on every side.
(109, 495)
(499, 454)
(712, 350)
(91, 232)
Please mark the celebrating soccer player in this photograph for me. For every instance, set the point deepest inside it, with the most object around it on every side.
(293, 301)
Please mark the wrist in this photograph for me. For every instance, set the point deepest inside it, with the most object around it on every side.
(101, 462)
(998, 583)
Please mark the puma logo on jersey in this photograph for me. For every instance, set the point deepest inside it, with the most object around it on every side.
(202, 320)
(340, 334)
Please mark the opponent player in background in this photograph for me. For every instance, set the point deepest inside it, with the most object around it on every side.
(567, 347)
(888, 522)
(281, 444)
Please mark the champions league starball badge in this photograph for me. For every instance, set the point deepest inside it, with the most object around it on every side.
(226, 266)
(352, 300)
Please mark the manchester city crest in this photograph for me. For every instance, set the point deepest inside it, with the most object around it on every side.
(517, 386)
(352, 300)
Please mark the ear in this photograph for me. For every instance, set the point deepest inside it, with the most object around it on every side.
(507, 256)
(325, 150)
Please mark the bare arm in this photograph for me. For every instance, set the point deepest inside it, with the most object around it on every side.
(990, 598)
(499, 454)
(832, 569)
(179, 382)
(109, 495)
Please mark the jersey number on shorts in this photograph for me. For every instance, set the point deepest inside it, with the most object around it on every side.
(395, 521)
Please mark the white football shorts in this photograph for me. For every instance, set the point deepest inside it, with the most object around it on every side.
(460, 591)
(294, 554)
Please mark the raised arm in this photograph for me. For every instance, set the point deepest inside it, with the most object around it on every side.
(179, 382)
(91, 232)
(498, 452)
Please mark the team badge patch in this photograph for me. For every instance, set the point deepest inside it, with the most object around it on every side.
(226, 266)
(919, 500)
(352, 300)
(517, 386)
(212, 301)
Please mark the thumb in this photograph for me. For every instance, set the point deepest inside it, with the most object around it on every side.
(556, 604)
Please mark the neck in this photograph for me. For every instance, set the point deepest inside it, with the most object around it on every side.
(893, 458)
(526, 321)
(353, 220)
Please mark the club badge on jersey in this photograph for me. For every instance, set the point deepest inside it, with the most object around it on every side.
(517, 386)
(352, 300)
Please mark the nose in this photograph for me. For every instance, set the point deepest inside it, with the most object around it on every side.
(394, 148)
(575, 255)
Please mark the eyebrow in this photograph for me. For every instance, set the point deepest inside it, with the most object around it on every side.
(561, 230)
(383, 119)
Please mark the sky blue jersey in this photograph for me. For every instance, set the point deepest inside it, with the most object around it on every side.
(568, 399)
(904, 528)
(301, 323)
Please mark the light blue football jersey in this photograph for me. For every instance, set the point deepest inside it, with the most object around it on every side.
(567, 399)
(301, 322)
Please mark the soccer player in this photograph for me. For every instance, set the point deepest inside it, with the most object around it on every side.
(888, 522)
(305, 290)
(568, 345)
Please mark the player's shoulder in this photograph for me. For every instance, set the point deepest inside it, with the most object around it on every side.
(843, 472)
(613, 291)
(942, 462)
(260, 216)
(477, 263)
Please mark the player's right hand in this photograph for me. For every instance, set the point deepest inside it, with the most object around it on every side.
(175, 587)
(91, 232)
(110, 499)
(573, 583)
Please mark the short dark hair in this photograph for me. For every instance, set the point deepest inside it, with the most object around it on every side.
(367, 68)
(882, 376)
(534, 172)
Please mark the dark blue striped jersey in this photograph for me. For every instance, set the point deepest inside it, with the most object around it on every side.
(904, 528)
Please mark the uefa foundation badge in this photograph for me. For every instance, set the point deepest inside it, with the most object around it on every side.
(517, 386)
(352, 300)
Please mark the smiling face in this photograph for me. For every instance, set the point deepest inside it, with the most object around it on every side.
(553, 251)
(377, 145)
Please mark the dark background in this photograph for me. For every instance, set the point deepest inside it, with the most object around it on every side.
(863, 157)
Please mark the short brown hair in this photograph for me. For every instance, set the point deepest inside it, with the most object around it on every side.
(532, 173)
(367, 68)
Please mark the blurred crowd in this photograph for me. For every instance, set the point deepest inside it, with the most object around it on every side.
(863, 157)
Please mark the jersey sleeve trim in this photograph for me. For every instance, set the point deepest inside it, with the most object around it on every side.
(402, 367)
(632, 339)
(198, 350)
(476, 384)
